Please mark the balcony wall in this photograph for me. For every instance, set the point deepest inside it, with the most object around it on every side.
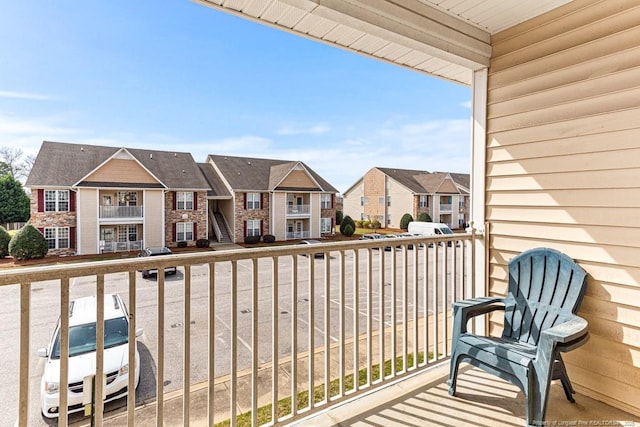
(563, 161)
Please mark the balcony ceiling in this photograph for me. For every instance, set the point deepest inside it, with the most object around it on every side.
(443, 38)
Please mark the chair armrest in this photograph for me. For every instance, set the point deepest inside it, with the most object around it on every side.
(572, 329)
(564, 337)
(472, 307)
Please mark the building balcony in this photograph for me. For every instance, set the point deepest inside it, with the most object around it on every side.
(114, 246)
(295, 235)
(445, 207)
(120, 212)
(267, 324)
(298, 210)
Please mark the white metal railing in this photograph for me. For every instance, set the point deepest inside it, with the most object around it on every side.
(114, 246)
(121, 211)
(298, 209)
(358, 306)
(445, 207)
(292, 235)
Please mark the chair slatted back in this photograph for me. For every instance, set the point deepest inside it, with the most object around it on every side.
(545, 288)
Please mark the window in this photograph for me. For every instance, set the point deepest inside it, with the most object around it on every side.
(361, 201)
(127, 233)
(325, 225)
(56, 200)
(388, 200)
(253, 200)
(388, 219)
(381, 201)
(184, 231)
(57, 237)
(325, 201)
(253, 227)
(127, 198)
(184, 200)
(424, 201)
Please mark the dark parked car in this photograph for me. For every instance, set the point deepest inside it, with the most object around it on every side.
(313, 242)
(157, 252)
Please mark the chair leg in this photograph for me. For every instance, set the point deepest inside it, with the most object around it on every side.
(560, 373)
(453, 374)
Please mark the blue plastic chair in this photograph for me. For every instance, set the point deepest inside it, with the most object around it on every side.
(545, 291)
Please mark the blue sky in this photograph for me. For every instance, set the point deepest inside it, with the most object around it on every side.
(175, 75)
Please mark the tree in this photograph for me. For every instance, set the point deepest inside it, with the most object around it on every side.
(13, 162)
(345, 222)
(5, 238)
(14, 201)
(405, 220)
(339, 216)
(424, 217)
(28, 244)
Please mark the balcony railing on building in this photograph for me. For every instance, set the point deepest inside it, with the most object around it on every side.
(296, 210)
(280, 316)
(121, 211)
(445, 207)
(115, 246)
(293, 235)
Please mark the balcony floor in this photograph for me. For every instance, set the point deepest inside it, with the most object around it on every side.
(421, 400)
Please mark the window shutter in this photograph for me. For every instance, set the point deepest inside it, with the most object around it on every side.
(195, 203)
(195, 231)
(174, 231)
(261, 201)
(72, 201)
(175, 203)
(333, 201)
(245, 228)
(261, 228)
(245, 206)
(40, 200)
(333, 222)
(41, 230)
(72, 237)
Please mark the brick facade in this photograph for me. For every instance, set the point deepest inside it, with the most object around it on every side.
(243, 214)
(42, 220)
(172, 216)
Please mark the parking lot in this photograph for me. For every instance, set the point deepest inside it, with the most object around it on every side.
(45, 312)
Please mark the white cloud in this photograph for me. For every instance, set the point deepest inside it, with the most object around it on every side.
(311, 130)
(466, 104)
(25, 95)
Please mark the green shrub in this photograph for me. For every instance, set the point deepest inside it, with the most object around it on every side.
(5, 238)
(366, 224)
(251, 240)
(405, 220)
(339, 217)
(375, 224)
(347, 221)
(424, 217)
(268, 238)
(202, 243)
(28, 243)
(348, 230)
(182, 244)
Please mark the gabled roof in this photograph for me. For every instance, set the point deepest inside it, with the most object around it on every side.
(254, 174)
(218, 188)
(61, 164)
(423, 182)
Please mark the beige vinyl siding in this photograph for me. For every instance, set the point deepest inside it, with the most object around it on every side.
(563, 171)
(351, 202)
(278, 212)
(154, 232)
(87, 207)
(121, 170)
(401, 202)
(298, 179)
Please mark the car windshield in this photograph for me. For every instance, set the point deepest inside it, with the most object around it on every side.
(82, 338)
(446, 231)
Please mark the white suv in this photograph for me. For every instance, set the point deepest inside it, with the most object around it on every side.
(82, 354)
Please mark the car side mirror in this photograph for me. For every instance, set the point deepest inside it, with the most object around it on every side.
(43, 352)
(139, 332)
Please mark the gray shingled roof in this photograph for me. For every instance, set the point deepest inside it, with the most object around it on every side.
(63, 164)
(252, 174)
(218, 188)
(420, 182)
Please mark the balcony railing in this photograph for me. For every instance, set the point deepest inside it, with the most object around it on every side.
(114, 246)
(293, 235)
(445, 207)
(121, 211)
(294, 210)
(253, 314)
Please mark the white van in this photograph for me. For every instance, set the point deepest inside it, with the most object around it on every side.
(428, 228)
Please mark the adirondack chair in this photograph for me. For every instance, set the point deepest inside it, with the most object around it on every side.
(545, 292)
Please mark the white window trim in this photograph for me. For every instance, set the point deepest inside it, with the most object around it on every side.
(253, 201)
(57, 200)
(56, 237)
(184, 200)
(182, 231)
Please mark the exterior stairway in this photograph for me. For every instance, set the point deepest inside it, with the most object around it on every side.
(224, 232)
